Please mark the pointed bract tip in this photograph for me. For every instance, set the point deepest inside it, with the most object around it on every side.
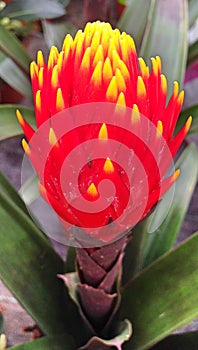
(19, 117)
(52, 137)
(108, 166)
(181, 98)
(188, 124)
(26, 147)
(103, 133)
(141, 89)
(159, 129)
(135, 116)
(40, 59)
(164, 84)
(175, 89)
(92, 190)
(175, 175)
(112, 90)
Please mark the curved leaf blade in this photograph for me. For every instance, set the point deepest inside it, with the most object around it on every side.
(13, 49)
(123, 335)
(184, 341)
(163, 297)
(134, 18)
(14, 76)
(166, 36)
(162, 234)
(9, 125)
(55, 32)
(40, 292)
(193, 110)
(56, 342)
(193, 11)
(32, 10)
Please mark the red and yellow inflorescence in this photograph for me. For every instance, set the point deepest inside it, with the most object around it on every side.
(101, 65)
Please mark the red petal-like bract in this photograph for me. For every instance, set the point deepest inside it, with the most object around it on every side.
(101, 65)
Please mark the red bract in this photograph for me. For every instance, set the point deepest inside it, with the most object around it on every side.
(101, 65)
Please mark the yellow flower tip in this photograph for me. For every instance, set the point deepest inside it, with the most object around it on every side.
(175, 89)
(112, 90)
(164, 84)
(159, 63)
(124, 49)
(26, 147)
(79, 46)
(181, 98)
(60, 105)
(124, 70)
(96, 77)
(40, 59)
(52, 138)
(107, 70)
(135, 117)
(67, 44)
(38, 100)
(33, 70)
(40, 77)
(99, 56)
(154, 66)
(121, 100)
(103, 133)
(53, 57)
(115, 59)
(92, 190)
(108, 166)
(159, 131)
(85, 63)
(141, 89)
(188, 124)
(60, 60)
(120, 80)
(175, 175)
(131, 43)
(95, 42)
(20, 118)
(54, 78)
(143, 67)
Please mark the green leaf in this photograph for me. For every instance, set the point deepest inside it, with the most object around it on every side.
(191, 88)
(166, 36)
(70, 259)
(162, 233)
(9, 125)
(163, 297)
(131, 267)
(192, 11)
(193, 53)
(55, 32)
(13, 49)
(134, 18)
(56, 342)
(10, 193)
(193, 110)
(29, 190)
(29, 267)
(14, 76)
(123, 334)
(185, 341)
(32, 10)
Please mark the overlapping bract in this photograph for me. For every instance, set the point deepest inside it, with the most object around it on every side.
(101, 65)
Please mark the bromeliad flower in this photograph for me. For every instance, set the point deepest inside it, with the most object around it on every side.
(100, 65)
